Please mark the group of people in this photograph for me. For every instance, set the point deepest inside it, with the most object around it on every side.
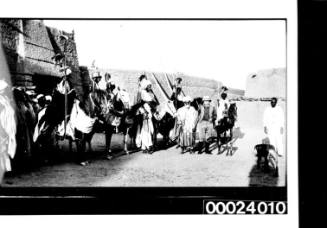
(191, 125)
(195, 127)
(198, 126)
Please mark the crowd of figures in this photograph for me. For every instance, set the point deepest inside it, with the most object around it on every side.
(38, 122)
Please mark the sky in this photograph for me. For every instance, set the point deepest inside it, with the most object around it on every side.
(227, 51)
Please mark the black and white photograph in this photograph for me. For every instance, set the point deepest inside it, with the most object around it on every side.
(101, 103)
(161, 110)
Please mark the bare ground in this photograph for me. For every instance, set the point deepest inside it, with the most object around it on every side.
(165, 167)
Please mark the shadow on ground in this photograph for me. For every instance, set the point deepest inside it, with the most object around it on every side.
(260, 178)
(230, 150)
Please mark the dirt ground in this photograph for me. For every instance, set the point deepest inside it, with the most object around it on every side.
(165, 167)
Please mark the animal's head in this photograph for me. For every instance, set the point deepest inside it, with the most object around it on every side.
(100, 101)
(197, 102)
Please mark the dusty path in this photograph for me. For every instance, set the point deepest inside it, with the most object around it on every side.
(165, 167)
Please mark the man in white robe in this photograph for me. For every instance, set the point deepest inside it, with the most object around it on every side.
(273, 122)
(7, 130)
(145, 129)
(186, 122)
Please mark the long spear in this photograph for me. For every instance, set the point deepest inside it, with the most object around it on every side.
(65, 38)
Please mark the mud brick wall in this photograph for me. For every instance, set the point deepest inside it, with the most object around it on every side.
(192, 86)
(9, 38)
(40, 44)
(267, 83)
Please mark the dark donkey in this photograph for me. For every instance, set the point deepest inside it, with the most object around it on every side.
(227, 124)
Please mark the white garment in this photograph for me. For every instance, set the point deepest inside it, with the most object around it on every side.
(63, 87)
(102, 84)
(79, 120)
(180, 97)
(38, 129)
(146, 96)
(273, 120)
(144, 83)
(144, 132)
(187, 117)
(8, 140)
(222, 108)
(8, 122)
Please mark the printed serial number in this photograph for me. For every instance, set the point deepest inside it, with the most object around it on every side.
(244, 207)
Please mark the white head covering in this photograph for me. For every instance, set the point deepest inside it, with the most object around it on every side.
(3, 85)
(206, 98)
(39, 96)
(145, 83)
(68, 71)
(187, 99)
(48, 98)
(96, 75)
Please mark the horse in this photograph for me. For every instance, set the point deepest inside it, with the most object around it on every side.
(52, 116)
(164, 121)
(227, 124)
(84, 121)
(88, 114)
(112, 116)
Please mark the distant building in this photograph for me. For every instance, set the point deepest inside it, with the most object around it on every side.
(266, 83)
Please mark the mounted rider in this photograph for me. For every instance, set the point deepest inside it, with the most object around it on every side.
(141, 80)
(178, 95)
(145, 129)
(96, 78)
(222, 106)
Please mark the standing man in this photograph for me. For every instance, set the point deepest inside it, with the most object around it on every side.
(273, 122)
(145, 129)
(206, 120)
(186, 122)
